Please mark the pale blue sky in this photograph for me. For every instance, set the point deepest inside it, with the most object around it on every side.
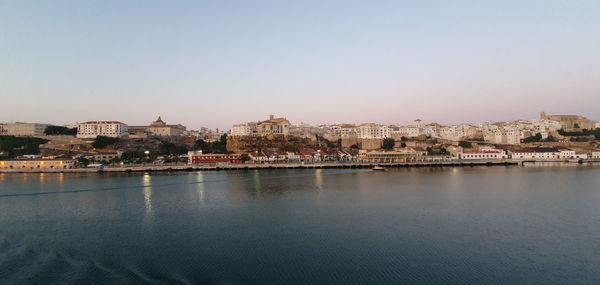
(215, 63)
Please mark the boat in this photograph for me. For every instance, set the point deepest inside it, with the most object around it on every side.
(378, 168)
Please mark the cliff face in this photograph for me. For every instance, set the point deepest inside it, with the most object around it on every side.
(271, 143)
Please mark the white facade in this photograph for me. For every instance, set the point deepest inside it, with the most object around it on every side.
(93, 129)
(242, 130)
(23, 129)
(536, 154)
(484, 153)
(453, 133)
(344, 130)
(408, 131)
(373, 131)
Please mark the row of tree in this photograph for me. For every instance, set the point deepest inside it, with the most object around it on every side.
(538, 138)
(582, 133)
(14, 146)
(60, 130)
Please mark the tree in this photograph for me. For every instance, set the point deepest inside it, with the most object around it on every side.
(404, 139)
(132, 156)
(388, 143)
(20, 145)
(83, 161)
(60, 130)
(576, 125)
(354, 146)
(219, 146)
(245, 158)
(536, 138)
(464, 144)
(102, 141)
(201, 145)
(402, 144)
(168, 148)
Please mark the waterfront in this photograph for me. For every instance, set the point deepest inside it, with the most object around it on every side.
(538, 224)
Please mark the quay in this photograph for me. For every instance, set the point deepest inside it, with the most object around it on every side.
(332, 165)
(325, 165)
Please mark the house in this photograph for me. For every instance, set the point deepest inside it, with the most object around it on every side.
(483, 153)
(405, 155)
(40, 163)
(536, 153)
(197, 157)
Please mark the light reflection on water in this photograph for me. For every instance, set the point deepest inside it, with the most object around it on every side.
(147, 190)
(200, 187)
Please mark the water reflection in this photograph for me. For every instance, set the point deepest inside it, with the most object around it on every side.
(200, 187)
(148, 221)
(147, 182)
(319, 179)
(256, 181)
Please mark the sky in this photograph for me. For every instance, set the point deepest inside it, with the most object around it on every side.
(217, 63)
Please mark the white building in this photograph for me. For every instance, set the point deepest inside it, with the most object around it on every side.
(484, 153)
(536, 153)
(23, 129)
(93, 129)
(242, 130)
(344, 130)
(373, 131)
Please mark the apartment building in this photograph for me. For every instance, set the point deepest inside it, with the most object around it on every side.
(92, 129)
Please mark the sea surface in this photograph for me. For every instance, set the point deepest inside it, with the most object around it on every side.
(481, 225)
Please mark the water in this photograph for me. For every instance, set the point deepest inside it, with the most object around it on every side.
(523, 225)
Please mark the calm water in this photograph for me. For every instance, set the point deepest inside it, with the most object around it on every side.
(453, 225)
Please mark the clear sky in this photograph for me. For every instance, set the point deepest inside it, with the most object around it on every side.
(215, 63)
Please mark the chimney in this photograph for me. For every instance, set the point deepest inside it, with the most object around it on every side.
(271, 117)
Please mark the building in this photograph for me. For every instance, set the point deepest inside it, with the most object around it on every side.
(107, 156)
(373, 131)
(158, 128)
(273, 126)
(536, 153)
(483, 153)
(389, 156)
(570, 121)
(162, 129)
(243, 130)
(40, 163)
(23, 129)
(196, 157)
(92, 129)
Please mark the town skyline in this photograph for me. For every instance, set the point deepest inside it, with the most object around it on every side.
(195, 125)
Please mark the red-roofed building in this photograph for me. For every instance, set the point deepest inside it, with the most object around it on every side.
(196, 157)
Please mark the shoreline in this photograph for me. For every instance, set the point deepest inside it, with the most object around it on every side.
(353, 165)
